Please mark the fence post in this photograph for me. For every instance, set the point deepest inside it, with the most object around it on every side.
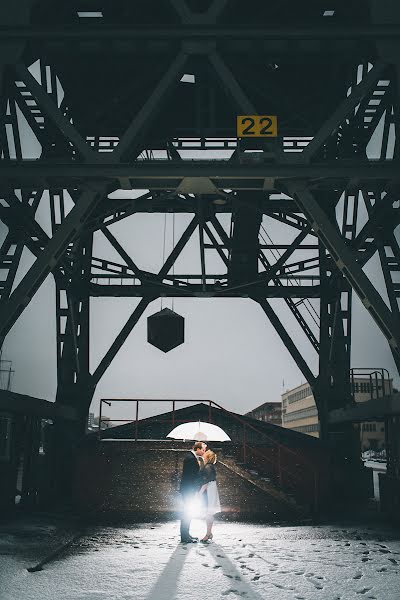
(244, 444)
(173, 414)
(136, 422)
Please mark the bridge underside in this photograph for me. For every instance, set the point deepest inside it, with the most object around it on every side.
(107, 113)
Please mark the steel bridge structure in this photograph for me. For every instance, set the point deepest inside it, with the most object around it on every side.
(134, 96)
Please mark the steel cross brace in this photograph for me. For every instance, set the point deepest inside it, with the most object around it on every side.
(48, 259)
(291, 304)
(287, 340)
(346, 261)
(336, 119)
(200, 32)
(20, 220)
(51, 255)
(141, 307)
(52, 111)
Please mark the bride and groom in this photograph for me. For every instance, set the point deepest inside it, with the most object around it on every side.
(198, 482)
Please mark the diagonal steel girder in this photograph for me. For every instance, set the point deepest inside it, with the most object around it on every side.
(90, 198)
(337, 118)
(141, 307)
(278, 284)
(53, 112)
(152, 106)
(346, 261)
(27, 230)
(287, 340)
(48, 259)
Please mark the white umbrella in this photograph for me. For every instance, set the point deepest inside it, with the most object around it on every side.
(197, 430)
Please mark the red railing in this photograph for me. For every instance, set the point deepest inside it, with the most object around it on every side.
(273, 461)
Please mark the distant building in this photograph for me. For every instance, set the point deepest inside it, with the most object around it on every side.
(90, 421)
(105, 423)
(299, 411)
(270, 412)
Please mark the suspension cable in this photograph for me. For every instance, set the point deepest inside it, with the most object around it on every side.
(163, 251)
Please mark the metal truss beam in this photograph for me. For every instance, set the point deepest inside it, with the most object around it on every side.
(53, 112)
(117, 246)
(25, 230)
(389, 254)
(13, 244)
(120, 339)
(383, 220)
(294, 306)
(198, 291)
(337, 118)
(73, 319)
(139, 310)
(201, 32)
(111, 211)
(167, 175)
(48, 259)
(283, 291)
(346, 262)
(332, 389)
(231, 85)
(292, 220)
(152, 106)
(287, 340)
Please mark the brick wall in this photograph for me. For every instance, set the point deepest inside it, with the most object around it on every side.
(143, 478)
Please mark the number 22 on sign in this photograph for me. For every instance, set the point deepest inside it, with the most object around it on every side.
(257, 126)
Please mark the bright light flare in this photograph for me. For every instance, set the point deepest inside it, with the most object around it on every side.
(194, 508)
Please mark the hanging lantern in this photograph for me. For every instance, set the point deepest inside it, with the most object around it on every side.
(165, 330)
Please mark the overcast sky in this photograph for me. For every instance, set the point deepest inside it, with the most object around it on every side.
(231, 353)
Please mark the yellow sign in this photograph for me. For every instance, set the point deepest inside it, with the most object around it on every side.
(257, 126)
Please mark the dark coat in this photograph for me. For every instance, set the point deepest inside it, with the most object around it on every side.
(208, 474)
(190, 481)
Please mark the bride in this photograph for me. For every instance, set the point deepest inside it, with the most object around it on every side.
(210, 491)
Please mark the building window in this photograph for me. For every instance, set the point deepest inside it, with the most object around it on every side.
(307, 428)
(301, 414)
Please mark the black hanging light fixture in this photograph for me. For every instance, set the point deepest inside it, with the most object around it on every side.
(166, 329)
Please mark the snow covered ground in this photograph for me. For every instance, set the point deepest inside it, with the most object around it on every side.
(246, 561)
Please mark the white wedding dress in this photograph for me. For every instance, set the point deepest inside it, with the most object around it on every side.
(213, 505)
(213, 502)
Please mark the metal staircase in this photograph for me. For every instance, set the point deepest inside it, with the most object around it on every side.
(266, 485)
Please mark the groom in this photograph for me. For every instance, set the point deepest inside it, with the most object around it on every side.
(190, 484)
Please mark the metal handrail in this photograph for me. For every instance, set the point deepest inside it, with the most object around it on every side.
(210, 402)
(245, 424)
